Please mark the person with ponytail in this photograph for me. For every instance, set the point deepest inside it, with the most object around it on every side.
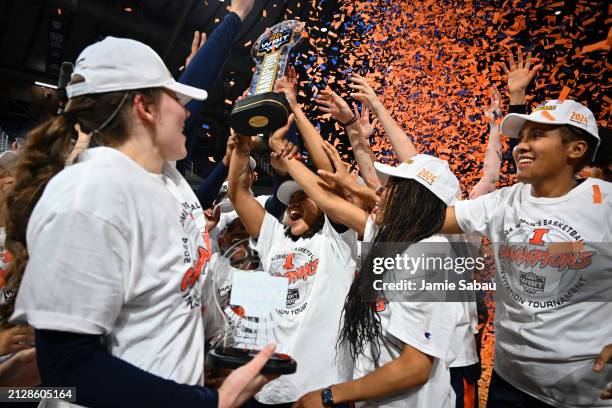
(109, 253)
(402, 350)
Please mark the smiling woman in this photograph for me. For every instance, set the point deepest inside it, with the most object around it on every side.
(110, 253)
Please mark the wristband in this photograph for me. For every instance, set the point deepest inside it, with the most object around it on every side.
(350, 122)
(327, 397)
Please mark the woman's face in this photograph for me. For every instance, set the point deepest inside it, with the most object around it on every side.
(382, 195)
(302, 213)
(171, 116)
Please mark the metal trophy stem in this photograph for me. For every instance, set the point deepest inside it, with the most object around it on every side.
(265, 111)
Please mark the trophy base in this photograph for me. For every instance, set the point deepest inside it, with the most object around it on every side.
(261, 113)
(230, 357)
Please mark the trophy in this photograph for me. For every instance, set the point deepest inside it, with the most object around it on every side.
(251, 323)
(264, 110)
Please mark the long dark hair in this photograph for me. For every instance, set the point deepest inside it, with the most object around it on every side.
(411, 214)
(44, 155)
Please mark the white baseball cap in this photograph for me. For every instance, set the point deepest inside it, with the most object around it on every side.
(286, 190)
(554, 112)
(431, 172)
(122, 64)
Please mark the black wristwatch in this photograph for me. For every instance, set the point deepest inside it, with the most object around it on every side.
(327, 397)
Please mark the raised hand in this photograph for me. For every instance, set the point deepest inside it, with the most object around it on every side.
(288, 85)
(363, 121)
(229, 148)
(494, 111)
(198, 42)
(242, 7)
(364, 93)
(340, 176)
(330, 102)
(520, 74)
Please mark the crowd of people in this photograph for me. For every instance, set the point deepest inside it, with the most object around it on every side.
(117, 276)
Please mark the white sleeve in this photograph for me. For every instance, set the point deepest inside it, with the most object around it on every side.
(475, 215)
(426, 326)
(74, 279)
(270, 228)
(342, 245)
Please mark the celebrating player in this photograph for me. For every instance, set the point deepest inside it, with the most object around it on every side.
(110, 251)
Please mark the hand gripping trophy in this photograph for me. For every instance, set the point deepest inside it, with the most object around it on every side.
(265, 111)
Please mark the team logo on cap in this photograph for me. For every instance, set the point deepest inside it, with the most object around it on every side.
(545, 107)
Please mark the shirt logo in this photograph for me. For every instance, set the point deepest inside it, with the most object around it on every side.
(531, 282)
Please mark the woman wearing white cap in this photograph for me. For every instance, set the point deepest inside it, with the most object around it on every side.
(553, 342)
(402, 350)
(317, 261)
(110, 252)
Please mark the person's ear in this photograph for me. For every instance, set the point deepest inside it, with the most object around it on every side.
(577, 149)
(144, 109)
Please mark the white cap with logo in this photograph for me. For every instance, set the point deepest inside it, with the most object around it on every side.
(431, 172)
(554, 112)
(122, 64)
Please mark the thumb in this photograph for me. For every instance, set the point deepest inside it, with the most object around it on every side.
(260, 360)
(603, 358)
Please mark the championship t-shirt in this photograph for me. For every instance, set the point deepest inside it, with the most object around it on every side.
(320, 270)
(433, 328)
(554, 283)
(467, 246)
(115, 251)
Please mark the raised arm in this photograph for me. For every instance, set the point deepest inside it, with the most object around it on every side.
(206, 65)
(310, 135)
(331, 102)
(341, 177)
(334, 206)
(249, 210)
(520, 74)
(209, 188)
(493, 155)
(399, 139)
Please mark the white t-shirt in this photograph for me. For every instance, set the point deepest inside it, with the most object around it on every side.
(320, 270)
(468, 246)
(547, 335)
(432, 328)
(120, 252)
